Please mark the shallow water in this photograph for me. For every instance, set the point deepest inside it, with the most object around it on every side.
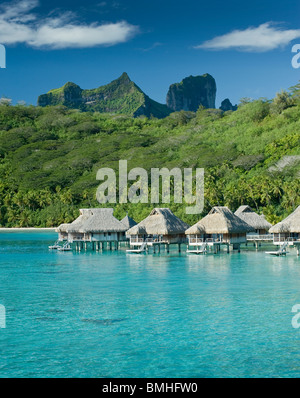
(114, 314)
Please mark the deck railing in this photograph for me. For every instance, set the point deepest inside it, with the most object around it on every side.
(282, 239)
(155, 240)
(76, 238)
(195, 241)
(260, 237)
(214, 240)
(136, 240)
(293, 239)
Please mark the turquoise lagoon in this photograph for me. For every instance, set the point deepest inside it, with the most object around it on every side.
(114, 314)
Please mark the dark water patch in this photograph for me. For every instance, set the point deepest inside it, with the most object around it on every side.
(105, 322)
(47, 272)
(105, 377)
(45, 318)
(55, 311)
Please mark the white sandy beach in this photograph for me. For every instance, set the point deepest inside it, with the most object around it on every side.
(26, 229)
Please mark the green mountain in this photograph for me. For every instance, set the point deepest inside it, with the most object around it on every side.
(192, 92)
(121, 96)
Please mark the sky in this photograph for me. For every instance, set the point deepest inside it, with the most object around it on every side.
(245, 46)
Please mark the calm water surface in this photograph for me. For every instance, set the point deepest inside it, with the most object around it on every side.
(120, 315)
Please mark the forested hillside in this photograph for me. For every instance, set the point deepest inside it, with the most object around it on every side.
(49, 157)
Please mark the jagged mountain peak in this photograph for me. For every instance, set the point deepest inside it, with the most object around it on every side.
(192, 92)
(124, 77)
(121, 96)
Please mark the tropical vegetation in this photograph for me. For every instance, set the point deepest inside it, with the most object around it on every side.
(49, 157)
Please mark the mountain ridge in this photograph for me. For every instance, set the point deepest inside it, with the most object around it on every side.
(123, 96)
(120, 96)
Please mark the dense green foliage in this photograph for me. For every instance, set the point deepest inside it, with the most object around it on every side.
(49, 157)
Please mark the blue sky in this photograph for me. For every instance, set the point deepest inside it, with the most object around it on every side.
(245, 46)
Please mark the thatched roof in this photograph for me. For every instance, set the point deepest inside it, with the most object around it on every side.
(221, 220)
(128, 222)
(253, 219)
(289, 224)
(137, 230)
(195, 229)
(62, 228)
(102, 220)
(161, 221)
(76, 224)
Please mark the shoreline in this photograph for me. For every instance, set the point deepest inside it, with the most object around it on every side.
(4, 229)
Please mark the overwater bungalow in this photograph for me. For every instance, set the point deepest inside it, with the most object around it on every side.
(288, 230)
(219, 227)
(95, 225)
(62, 232)
(258, 222)
(102, 226)
(161, 227)
(128, 222)
(73, 230)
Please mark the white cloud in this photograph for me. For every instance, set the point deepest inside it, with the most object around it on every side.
(19, 25)
(265, 37)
